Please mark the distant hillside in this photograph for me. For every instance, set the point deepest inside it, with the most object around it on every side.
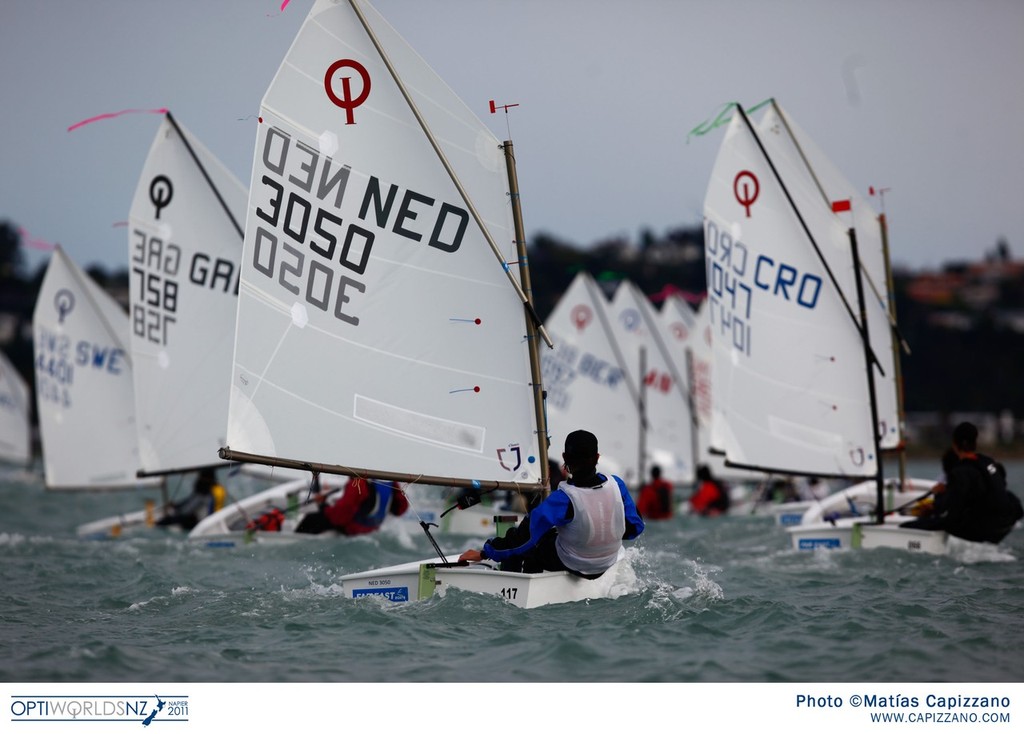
(964, 325)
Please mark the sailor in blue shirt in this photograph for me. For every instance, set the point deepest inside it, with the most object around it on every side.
(578, 528)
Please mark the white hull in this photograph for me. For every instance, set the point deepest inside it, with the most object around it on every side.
(859, 500)
(476, 521)
(914, 540)
(116, 526)
(422, 579)
(844, 530)
(229, 525)
(856, 500)
(787, 514)
(860, 534)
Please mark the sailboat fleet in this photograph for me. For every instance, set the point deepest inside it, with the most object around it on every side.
(364, 310)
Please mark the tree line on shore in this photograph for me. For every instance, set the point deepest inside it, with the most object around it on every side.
(949, 370)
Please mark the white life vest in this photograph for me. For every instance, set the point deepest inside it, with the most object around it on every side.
(590, 543)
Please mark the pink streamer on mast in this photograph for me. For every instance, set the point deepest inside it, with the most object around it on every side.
(108, 115)
(34, 242)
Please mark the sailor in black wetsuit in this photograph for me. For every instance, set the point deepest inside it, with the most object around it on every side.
(976, 504)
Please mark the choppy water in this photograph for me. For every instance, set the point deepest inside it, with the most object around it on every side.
(718, 600)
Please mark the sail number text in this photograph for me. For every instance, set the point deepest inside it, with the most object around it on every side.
(156, 266)
(304, 244)
(735, 276)
(565, 363)
(57, 358)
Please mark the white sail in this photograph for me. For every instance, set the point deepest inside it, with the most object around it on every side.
(377, 330)
(15, 415)
(184, 247)
(586, 380)
(701, 356)
(680, 331)
(688, 338)
(789, 390)
(700, 353)
(797, 156)
(669, 435)
(83, 382)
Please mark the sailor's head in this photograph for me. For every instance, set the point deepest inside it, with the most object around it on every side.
(965, 437)
(580, 450)
(581, 444)
(205, 481)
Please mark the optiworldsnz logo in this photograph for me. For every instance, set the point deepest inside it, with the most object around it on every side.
(144, 710)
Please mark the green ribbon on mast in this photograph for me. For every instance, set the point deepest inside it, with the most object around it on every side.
(723, 118)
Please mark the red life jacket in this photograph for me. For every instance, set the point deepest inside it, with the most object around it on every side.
(270, 521)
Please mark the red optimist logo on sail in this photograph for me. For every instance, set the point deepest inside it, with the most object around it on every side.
(346, 101)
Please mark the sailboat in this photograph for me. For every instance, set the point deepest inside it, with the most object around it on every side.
(587, 381)
(668, 438)
(795, 367)
(184, 246)
(384, 324)
(83, 373)
(15, 416)
(796, 155)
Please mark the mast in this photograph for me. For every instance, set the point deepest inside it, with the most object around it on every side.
(642, 410)
(691, 399)
(531, 326)
(879, 481)
(897, 368)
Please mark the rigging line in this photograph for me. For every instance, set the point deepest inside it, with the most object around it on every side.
(202, 169)
(872, 390)
(807, 231)
(821, 190)
(408, 496)
(448, 168)
(237, 504)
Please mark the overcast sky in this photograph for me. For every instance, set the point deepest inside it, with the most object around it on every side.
(922, 97)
